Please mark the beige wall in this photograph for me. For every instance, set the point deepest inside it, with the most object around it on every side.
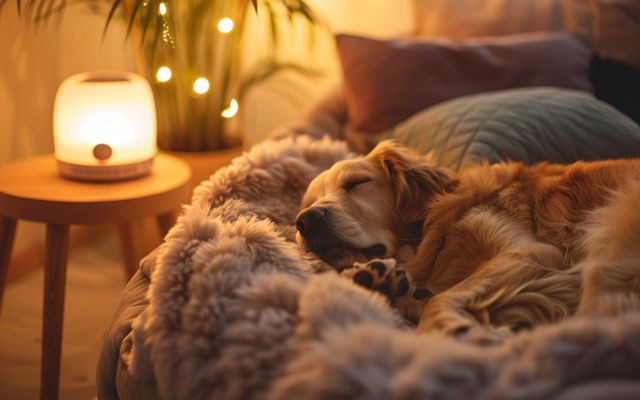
(286, 96)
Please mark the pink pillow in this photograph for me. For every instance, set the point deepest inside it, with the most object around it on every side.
(387, 81)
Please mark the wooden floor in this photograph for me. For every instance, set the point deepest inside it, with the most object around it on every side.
(95, 279)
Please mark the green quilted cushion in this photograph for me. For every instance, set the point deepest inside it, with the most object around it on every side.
(529, 125)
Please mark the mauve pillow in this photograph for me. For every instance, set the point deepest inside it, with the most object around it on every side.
(387, 81)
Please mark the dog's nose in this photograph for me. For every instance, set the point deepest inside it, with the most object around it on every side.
(308, 220)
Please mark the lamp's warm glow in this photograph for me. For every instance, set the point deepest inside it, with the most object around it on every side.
(104, 126)
(225, 25)
(162, 8)
(201, 85)
(163, 74)
(232, 110)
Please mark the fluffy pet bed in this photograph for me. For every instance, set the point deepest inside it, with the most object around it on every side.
(236, 311)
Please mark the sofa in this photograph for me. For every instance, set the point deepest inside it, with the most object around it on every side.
(229, 307)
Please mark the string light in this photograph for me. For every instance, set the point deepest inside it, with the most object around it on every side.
(225, 25)
(162, 8)
(201, 85)
(163, 74)
(232, 110)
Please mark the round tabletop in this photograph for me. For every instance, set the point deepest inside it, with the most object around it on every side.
(32, 189)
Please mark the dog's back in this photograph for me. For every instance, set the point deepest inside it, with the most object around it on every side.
(582, 217)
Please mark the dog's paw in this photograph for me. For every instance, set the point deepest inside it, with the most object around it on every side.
(392, 281)
(384, 276)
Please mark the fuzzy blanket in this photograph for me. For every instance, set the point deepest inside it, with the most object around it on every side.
(237, 311)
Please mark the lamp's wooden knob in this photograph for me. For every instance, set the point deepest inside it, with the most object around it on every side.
(102, 152)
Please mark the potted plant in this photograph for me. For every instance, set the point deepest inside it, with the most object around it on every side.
(191, 53)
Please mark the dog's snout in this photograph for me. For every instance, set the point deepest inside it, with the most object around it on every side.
(310, 219)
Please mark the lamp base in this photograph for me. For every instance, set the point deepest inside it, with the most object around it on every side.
(104, 173)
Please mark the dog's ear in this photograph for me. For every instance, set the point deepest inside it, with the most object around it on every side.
(414, 180)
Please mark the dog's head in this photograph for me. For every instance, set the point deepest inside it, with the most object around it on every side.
(366, 207)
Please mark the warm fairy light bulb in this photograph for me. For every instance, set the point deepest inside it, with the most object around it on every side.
(225, 25)
(232, 110)
(163, 74)
(201, 85)
(162, 8)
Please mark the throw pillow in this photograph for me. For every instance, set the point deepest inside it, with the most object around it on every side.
(387, 81)
(529, 125)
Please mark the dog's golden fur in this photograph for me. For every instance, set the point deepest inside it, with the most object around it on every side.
(502, 244)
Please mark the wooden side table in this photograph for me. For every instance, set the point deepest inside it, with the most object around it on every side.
(31, 189)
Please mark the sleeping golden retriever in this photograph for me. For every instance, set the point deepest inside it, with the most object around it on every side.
(495, 245)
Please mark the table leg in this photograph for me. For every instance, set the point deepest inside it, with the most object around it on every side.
(127, 244)
(166, 222)
(7, 233)
(55, 269)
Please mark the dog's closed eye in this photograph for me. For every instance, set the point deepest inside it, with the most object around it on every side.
(353, 183)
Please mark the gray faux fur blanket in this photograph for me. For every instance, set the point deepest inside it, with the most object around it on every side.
(237, 311)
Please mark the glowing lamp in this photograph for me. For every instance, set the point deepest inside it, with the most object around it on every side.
(104, 126)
